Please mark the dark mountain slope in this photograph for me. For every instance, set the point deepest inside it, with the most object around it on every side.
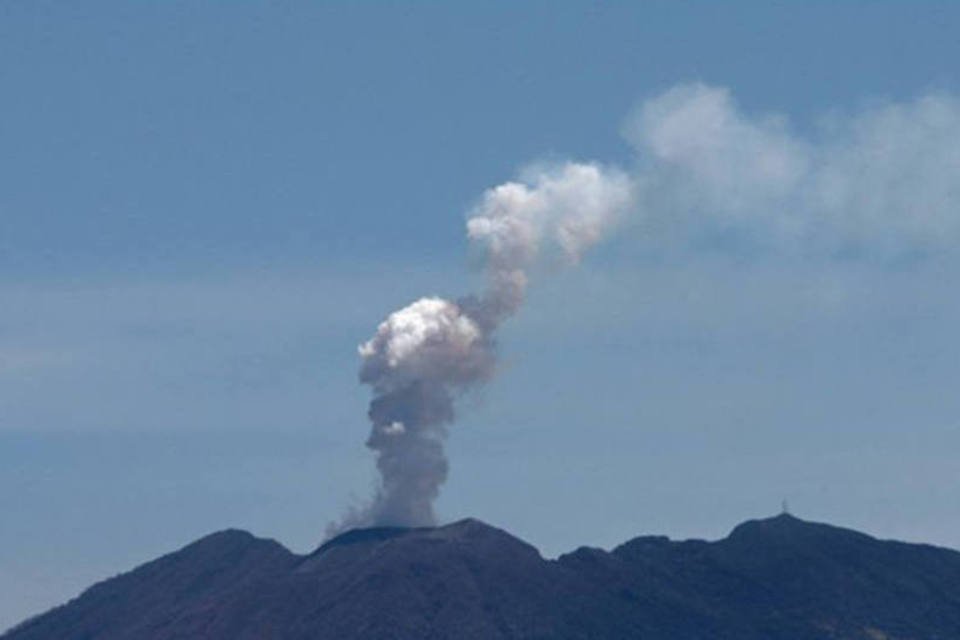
(191, 586)
(774, 579)
(466, 580)
(786, 578)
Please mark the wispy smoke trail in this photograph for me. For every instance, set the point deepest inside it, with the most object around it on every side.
(881, 181)
(425, 354)
(878, 182)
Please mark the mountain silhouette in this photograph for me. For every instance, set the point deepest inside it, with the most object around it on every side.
(780, 578)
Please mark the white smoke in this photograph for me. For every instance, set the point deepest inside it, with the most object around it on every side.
(431, 339)
(881, 182)
(565, 209)
(424, 354)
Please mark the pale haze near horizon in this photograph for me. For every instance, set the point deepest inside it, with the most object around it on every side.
(206, 210)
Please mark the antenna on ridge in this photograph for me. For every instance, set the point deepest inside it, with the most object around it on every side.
(784, 508)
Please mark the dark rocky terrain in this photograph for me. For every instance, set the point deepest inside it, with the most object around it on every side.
(775, 579)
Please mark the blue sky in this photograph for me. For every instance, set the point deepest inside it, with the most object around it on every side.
(205, 207)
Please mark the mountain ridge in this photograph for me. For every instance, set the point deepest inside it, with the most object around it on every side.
(773, 578)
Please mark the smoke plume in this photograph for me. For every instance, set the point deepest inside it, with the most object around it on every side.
(426, 354)
(883, 181)
(880, 182)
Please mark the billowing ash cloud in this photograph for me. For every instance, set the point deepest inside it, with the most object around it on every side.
(883, 181)
(424, 355)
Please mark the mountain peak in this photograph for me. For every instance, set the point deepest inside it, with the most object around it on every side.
(227, 546)
(362, 536)
(467, 528)
(787, 528)
(383, 547)
(225, 537)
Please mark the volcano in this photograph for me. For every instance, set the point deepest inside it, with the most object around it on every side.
(780, 578)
